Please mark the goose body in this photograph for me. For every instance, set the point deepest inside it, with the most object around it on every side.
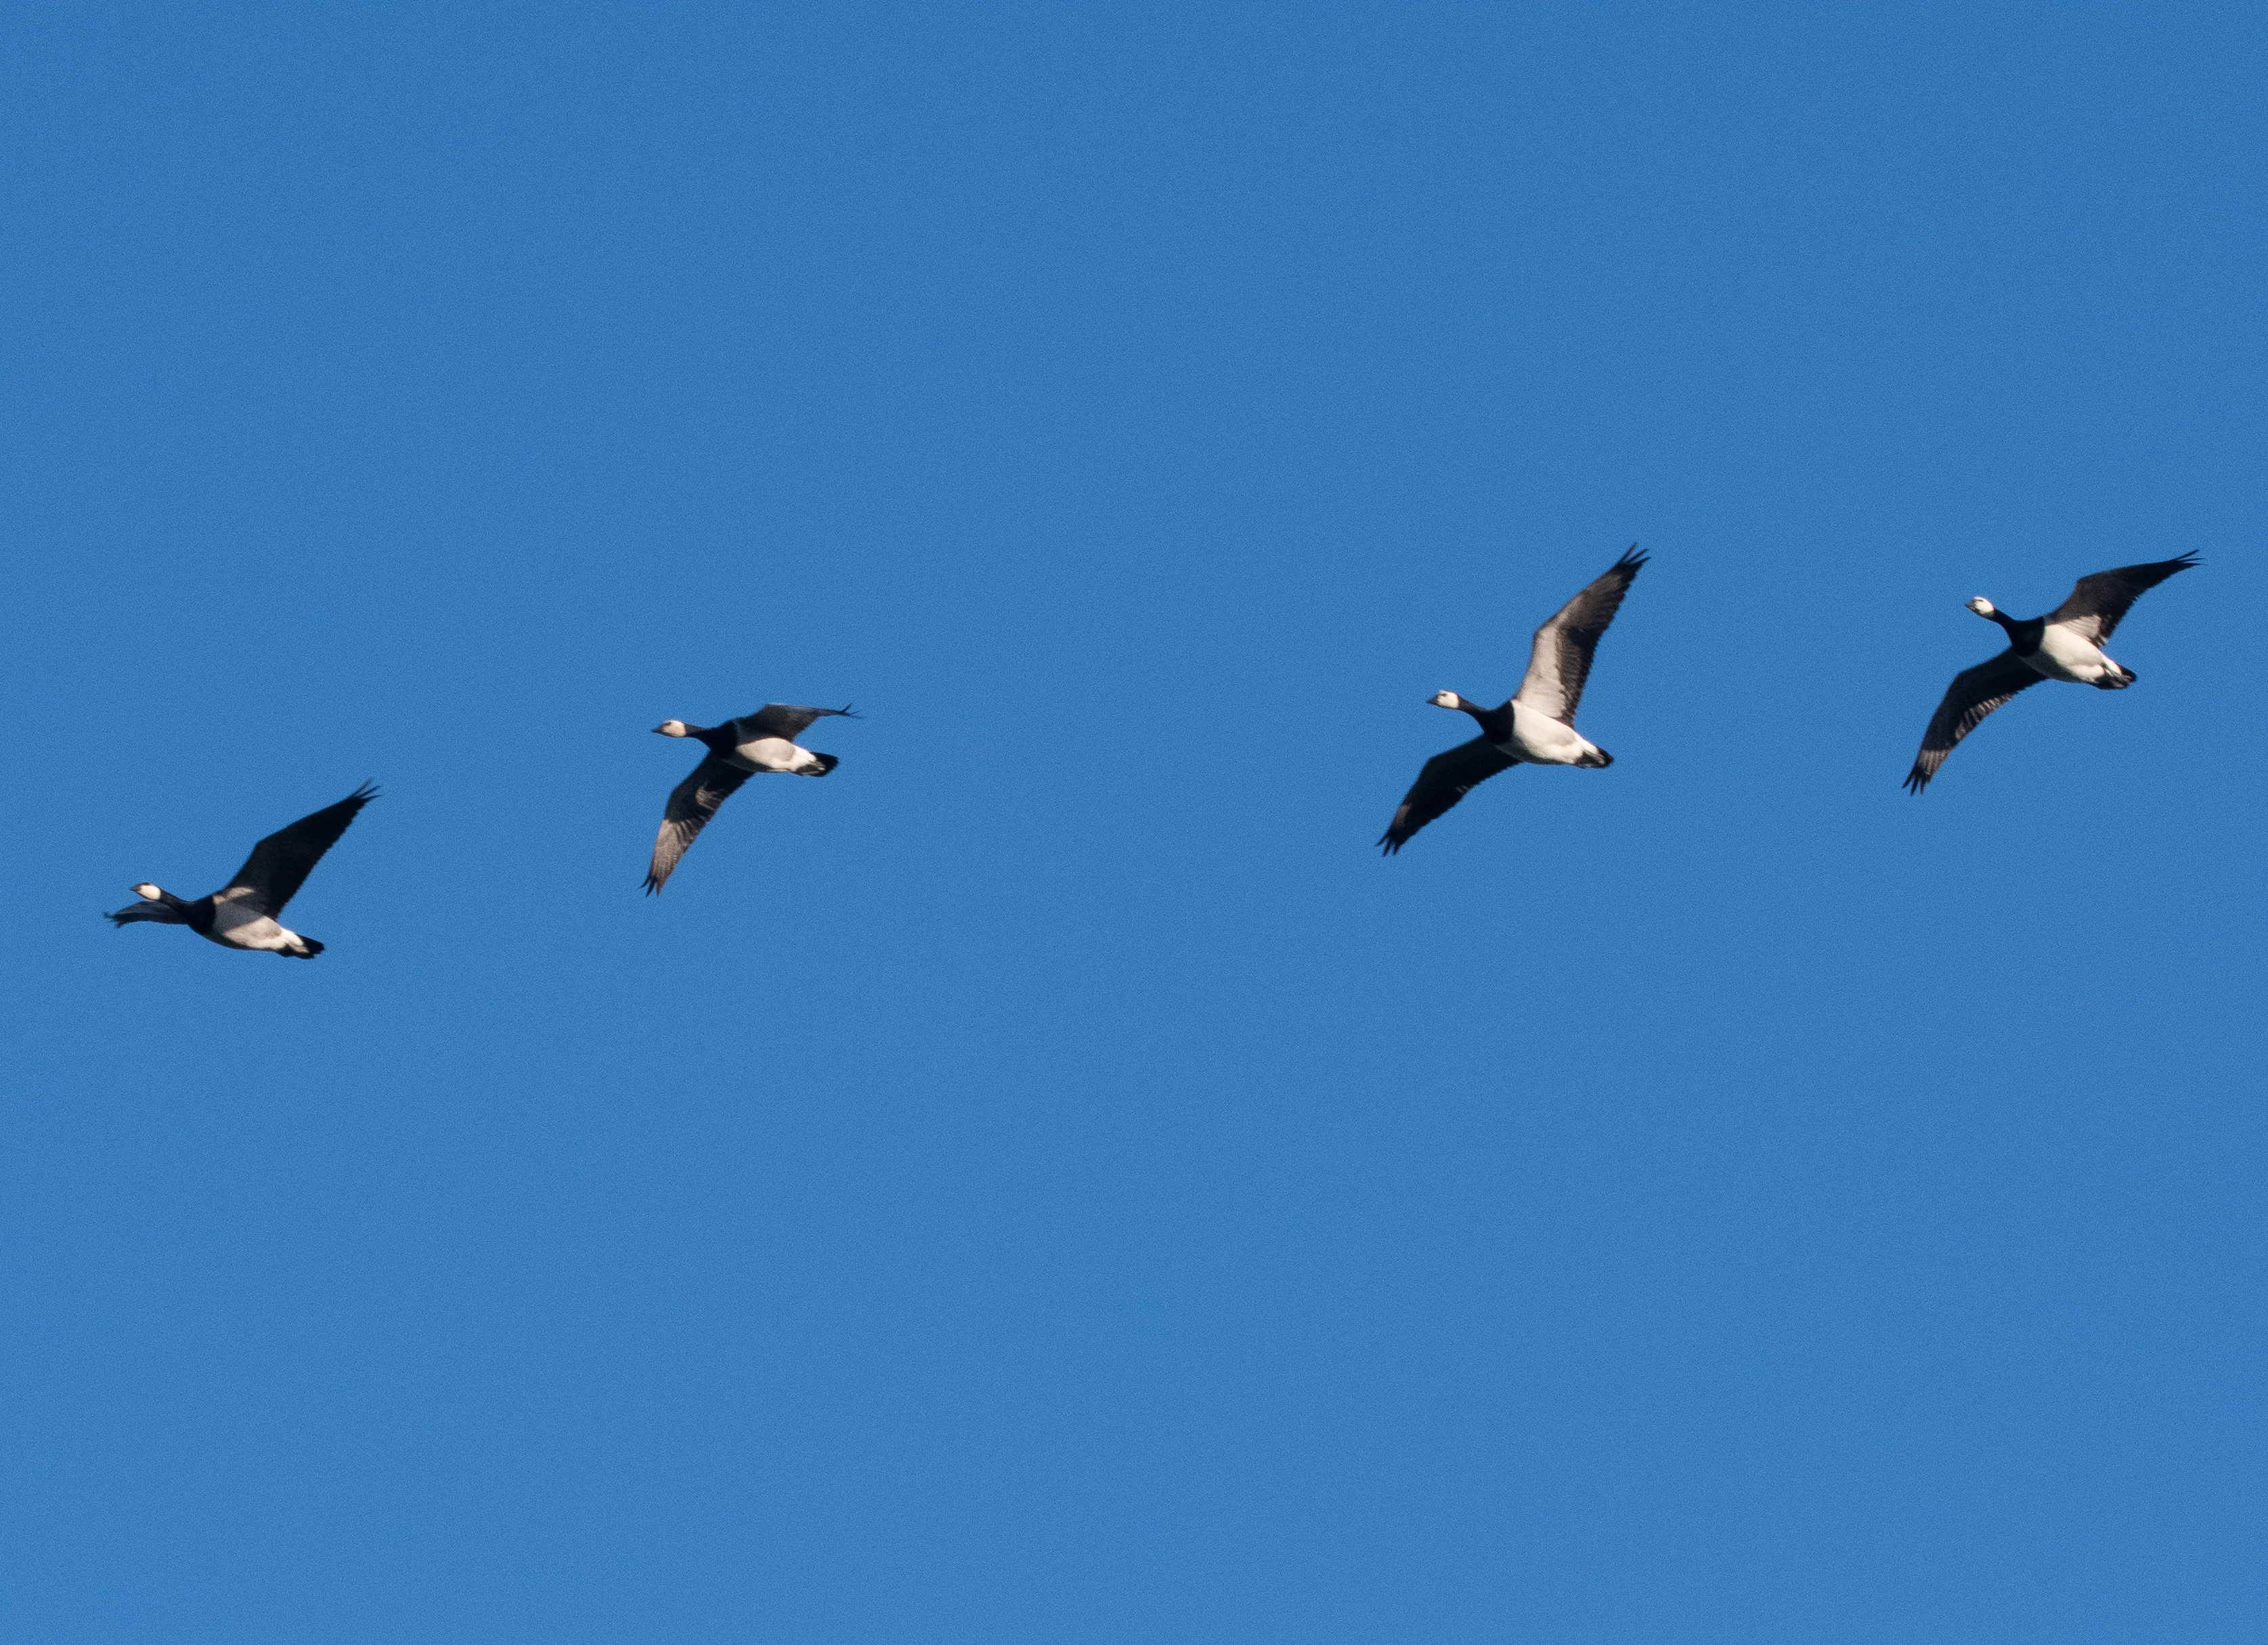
(2062, 652)
(1536, 724)
(2066, 644)
(752, 745)
(242, 913)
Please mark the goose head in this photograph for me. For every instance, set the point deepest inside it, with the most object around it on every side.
(673, 728)
(162, 906)
(1983, 606)
(1447, 700)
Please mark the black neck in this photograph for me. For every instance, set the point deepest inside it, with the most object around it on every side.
(1495, 723)
(2024, 636)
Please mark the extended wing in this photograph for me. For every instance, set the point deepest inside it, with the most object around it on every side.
(1560, 660)
(1445, 779)
(2098, 602)
(1974, 694)
(280, 864)
(692, 802)
(783, 719)
(160, 912)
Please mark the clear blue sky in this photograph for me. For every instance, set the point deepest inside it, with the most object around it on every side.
(1052, 1181)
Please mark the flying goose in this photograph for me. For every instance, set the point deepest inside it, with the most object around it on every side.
(242, 913)
(2065, 644)
(738, 749)
(1537, 724)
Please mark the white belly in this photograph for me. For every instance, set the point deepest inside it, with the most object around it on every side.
(1542, 740)
(774, 753)
(239, 927)
(2064, 655)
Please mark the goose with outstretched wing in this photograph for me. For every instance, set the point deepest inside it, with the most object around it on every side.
(2066, 644)
(751, 746)
(242, 913)
(1536, 724)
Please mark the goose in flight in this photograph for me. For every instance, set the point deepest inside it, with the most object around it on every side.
(737, 750)
(2066, 644)
(1538, 726)
(242, 913)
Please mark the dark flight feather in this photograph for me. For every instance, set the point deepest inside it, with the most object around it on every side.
(280, 864)
(692, 802)
(1445, 779)
(2106, 597)
(1559, 661)
(1974, 694)
(783, 719)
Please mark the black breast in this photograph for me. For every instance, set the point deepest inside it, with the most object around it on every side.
(2024, 637)
(198, 915)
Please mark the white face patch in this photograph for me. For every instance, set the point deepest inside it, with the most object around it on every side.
(1445, 699)
(1983, 606)
(149, 892)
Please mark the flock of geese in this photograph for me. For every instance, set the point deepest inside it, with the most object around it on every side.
(1535, 726)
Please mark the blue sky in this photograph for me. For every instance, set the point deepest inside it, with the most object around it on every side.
(1052, 1180)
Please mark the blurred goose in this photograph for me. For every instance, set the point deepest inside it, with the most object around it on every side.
(1537, 726)
(737, 750)
(242, 913)
(2066, 644)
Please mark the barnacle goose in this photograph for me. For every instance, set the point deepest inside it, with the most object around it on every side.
(242, 913)
(2066, 644)
(1537, 726)
(737, 750)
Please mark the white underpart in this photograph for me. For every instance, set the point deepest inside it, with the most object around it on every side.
(2065, 654)
(1542, 740)
(239, 926)
(774, 753)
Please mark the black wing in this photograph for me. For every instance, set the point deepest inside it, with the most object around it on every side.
(1560, 660)
(784, 719)
(2098, 602)
(1974, 694)
(157, 911)
(1446, 779)
(692, 802)
(280, 864)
